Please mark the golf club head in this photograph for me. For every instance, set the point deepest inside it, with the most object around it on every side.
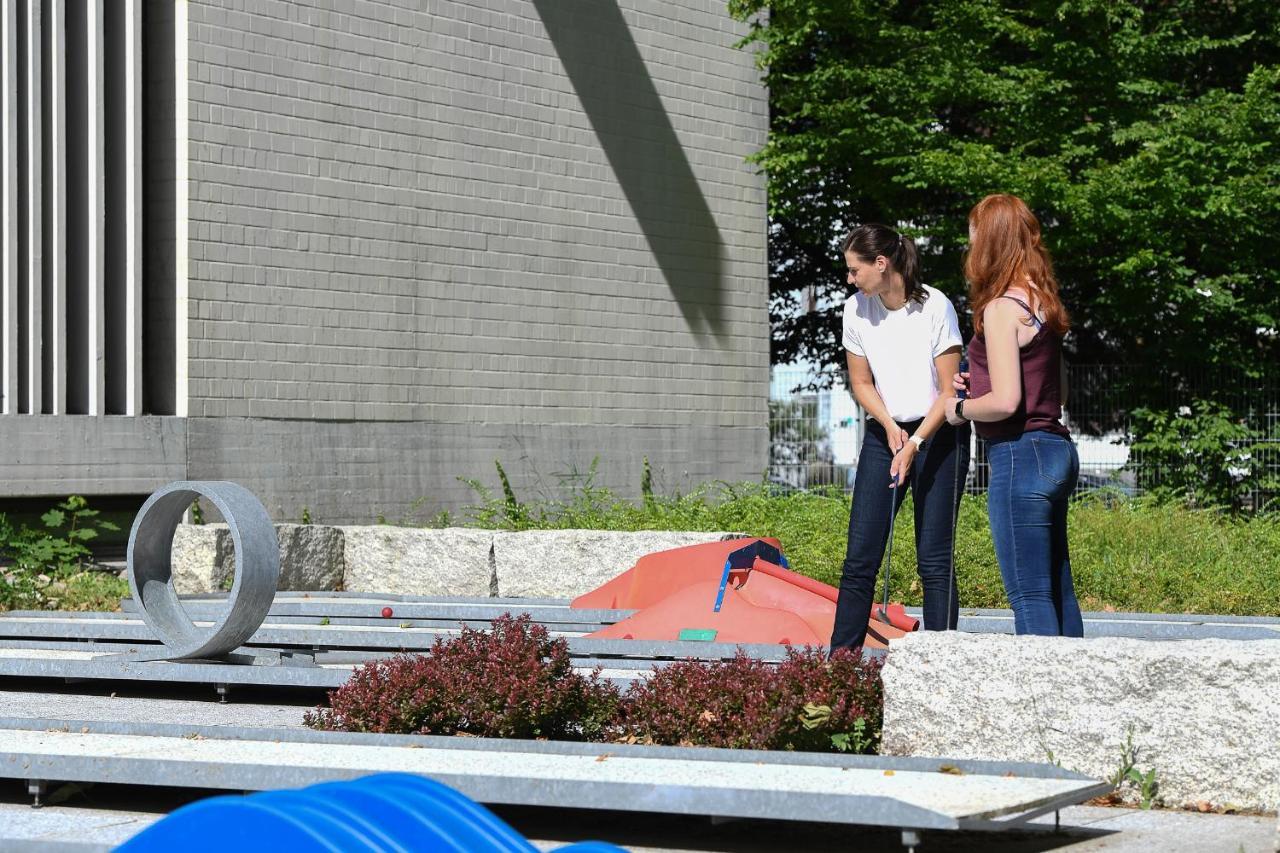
(895, 615)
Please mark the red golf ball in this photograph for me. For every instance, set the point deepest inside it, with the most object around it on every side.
(386, 613)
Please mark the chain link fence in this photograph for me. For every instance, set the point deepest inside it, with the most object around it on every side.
(1231, 438)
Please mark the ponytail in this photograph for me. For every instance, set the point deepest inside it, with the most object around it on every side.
(873, 240)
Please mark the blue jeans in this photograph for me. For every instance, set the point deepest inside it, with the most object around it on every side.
(1032, 477)
(936, 482)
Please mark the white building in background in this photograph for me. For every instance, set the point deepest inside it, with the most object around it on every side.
(843, 422)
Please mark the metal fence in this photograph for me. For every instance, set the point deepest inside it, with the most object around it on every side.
(816, 433)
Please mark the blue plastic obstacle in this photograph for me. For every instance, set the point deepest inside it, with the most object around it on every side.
(384, 812)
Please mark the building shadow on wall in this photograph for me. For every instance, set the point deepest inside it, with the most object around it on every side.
(604, 65)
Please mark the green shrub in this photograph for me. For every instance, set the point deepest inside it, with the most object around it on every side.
(58, 547)
(513, 681)
(44, 563)
(812, 702)
(1203, 455)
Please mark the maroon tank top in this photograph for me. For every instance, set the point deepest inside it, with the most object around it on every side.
(1040, 408)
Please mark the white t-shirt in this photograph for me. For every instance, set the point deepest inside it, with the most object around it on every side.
(901, 345)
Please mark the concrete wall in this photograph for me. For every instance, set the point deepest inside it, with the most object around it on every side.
(423, 240)
(42, 455)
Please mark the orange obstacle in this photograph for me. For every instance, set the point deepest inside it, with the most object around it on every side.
(737, 591)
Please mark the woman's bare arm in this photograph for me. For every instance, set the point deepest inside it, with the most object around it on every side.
(864, 391)
(1001, 319)
(946, 364)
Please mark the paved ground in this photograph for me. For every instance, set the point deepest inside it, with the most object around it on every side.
(98, 818)
(123, 702)
(1084, 829)
(103, 816)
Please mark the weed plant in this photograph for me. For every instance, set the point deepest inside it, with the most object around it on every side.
(44, 565)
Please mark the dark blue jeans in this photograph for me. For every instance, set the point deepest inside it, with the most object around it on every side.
(939, 467)
(1032, 477)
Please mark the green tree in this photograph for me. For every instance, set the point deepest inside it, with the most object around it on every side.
(1143, 134)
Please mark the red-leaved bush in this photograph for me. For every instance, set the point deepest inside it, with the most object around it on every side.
(811, 701)
(512, 681)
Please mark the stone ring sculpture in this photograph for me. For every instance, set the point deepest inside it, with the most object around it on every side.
(257, 571)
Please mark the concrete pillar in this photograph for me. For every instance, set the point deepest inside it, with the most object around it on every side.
(9, 205)
(55, 238)
(95, 208)
(31, 290)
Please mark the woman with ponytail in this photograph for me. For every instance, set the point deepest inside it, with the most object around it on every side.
(1018, 390)
(902, 341)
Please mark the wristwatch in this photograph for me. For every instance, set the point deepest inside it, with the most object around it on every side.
(960, 409)
(916, 440)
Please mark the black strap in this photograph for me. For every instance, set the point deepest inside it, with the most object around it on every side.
(1025, 307)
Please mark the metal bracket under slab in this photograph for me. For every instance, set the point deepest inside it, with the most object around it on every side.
(259, 657)
(37, 788)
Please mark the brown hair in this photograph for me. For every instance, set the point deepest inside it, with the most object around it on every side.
(872, 240)
(1005, 252)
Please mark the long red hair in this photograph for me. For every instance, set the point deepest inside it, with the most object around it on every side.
(1005, 251)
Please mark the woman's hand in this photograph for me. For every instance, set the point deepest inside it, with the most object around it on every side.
(896, 435)
(900, 468)
(949, 406)
(960, 382)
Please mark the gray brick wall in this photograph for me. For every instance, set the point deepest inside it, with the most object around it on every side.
(409, 215)
(423, 236)
(527, 218)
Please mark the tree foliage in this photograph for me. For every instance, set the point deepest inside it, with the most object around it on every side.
(1142, 133)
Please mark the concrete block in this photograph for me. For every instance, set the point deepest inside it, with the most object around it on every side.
(203, 558)
(1202, 713)
(417, 561)
(567, 563)
(311, 556)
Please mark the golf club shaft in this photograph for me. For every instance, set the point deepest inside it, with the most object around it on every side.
(962, 394)
(888, 557)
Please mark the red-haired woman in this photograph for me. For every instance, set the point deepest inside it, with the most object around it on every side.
(1018, 387)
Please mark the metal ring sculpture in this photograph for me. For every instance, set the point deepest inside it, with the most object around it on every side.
(151, 573)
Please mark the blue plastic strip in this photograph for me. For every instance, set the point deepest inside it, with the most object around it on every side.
(745, 558)
(392, 812)
(724, 583)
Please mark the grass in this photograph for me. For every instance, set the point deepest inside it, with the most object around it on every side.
(1135, 555)
(91, 591)
(97, 591)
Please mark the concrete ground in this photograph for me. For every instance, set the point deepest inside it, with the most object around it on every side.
(1084, 829)
(96, 819)
(100, 817)
(126, 703)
